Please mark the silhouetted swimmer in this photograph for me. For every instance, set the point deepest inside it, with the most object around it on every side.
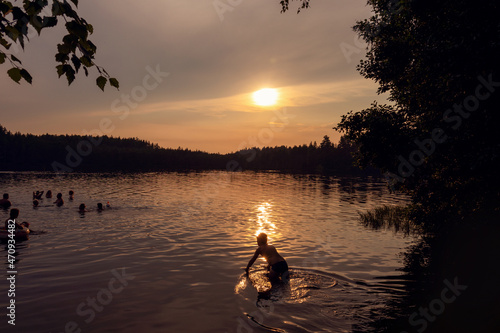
(82, 209)
(100, 208)
(59, 201)
(35, 203)
(108, 205)
(5, 202)
(37, 195)
(14, 214)
(278, 268)
(48, 195)
(71, 194)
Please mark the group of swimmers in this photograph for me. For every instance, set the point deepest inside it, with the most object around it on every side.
(38, 195)
(82, 208)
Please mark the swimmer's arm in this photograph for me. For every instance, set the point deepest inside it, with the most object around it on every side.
(255, 256)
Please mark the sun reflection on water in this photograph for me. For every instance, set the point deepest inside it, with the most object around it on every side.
(264, 220)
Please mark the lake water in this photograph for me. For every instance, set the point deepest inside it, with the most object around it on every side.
(169, 255)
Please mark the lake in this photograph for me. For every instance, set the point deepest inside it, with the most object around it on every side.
(168, 256)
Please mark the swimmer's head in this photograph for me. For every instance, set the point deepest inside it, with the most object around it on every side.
(82, 207)
(262, 239)
(35, 203)
(14, 213)
(6, 196)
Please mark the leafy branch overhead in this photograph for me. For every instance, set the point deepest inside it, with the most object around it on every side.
(285, 4)
(76, 52)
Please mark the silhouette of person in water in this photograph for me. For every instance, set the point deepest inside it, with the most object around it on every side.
(71, 194)
(38, 195)
(82, 209)
(14, 213)
(35, 203)
(5, 202)
(59, 201)
(100, 208)
(277, 266)
(48, 195)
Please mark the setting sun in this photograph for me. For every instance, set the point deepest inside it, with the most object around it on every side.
(265, 97)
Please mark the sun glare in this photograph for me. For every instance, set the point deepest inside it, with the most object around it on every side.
(265, 97)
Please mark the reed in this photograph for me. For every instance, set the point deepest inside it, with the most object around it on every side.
(386, 217)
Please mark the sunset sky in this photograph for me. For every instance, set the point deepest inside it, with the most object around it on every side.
(208, 63)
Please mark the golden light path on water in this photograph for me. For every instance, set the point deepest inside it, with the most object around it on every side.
(264, 220)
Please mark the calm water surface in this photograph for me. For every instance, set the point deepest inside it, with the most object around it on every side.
(169, 255)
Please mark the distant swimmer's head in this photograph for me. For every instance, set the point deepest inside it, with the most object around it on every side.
(59, 195)
(14, 213)
(99, 206)
(6, 196)
(71, 193)
(35, 203)
(82, 207)
(262, 239)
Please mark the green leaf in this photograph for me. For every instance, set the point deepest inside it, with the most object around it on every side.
(76, 62)
(61, 57)
(26, 76)
(77, 29)
(15, 74)
(15, 59)
(86, 61)
(2, 57)
(12, 32)
(56, 8)
(101, 82)
(75, 2)
(49, 21)
(60, 70)
(5, 43)
(70, 75)
(90, 28)
(86, 71)
(63, 48)
(114, 83)
(4, 8)
(70, 39)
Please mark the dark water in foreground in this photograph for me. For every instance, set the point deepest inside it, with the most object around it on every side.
(169, 255)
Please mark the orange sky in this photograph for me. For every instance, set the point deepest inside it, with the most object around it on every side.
(187, 71)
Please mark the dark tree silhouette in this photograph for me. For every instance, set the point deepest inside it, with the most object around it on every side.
(438, 140)
(75, 153)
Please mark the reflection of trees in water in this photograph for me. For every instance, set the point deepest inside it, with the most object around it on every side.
(452, 284)
(349, 189)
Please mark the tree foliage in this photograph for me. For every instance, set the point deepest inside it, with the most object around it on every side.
(18, 23)
(68, 153)
(286, 3)
(438, 139)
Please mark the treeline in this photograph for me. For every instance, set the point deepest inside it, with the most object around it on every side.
(76, 153)
(325, 158)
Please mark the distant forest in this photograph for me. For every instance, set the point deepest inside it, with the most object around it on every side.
(75, 153)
